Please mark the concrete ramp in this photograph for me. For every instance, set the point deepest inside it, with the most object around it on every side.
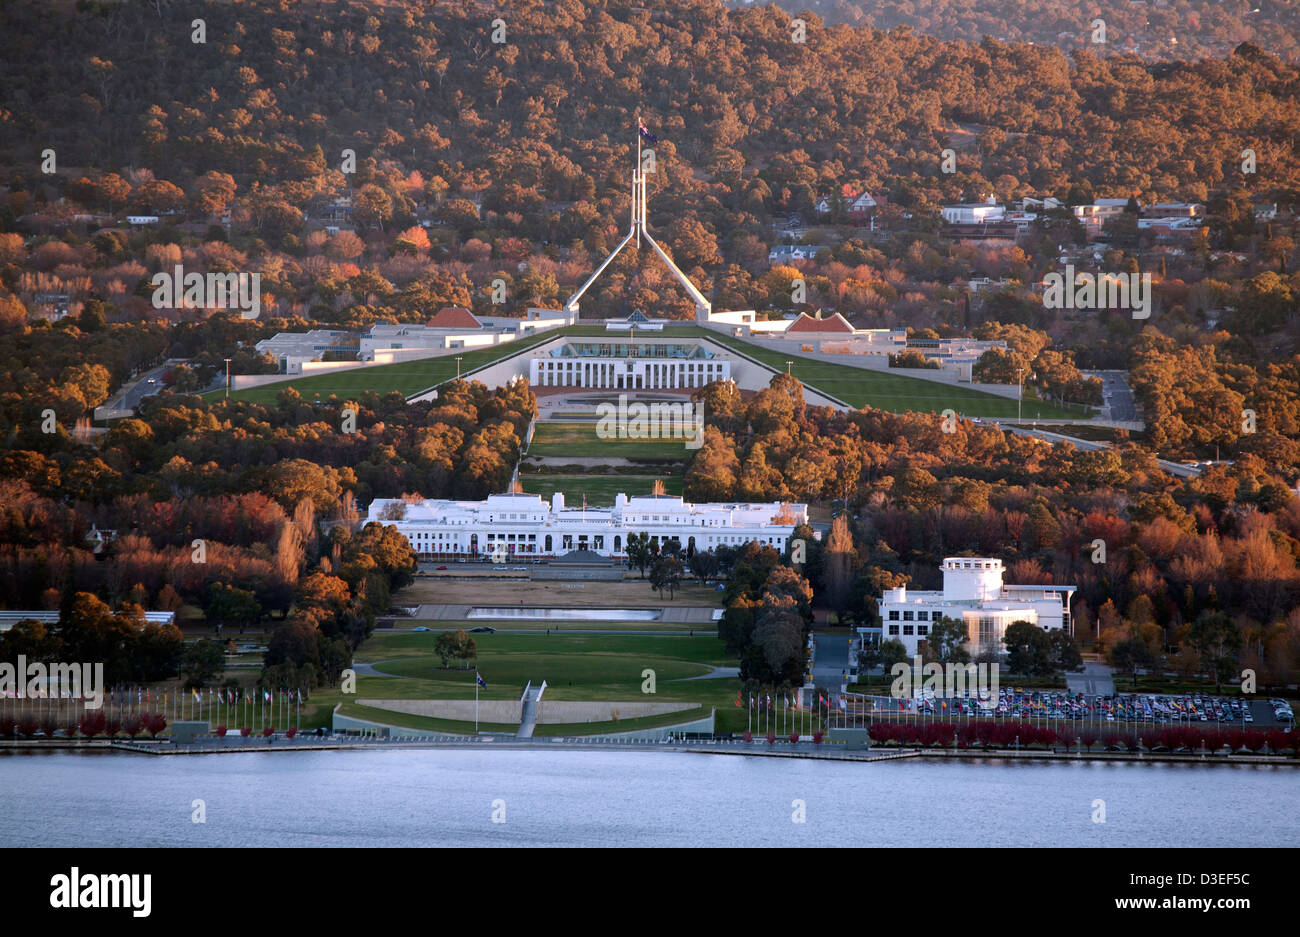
(528, 717)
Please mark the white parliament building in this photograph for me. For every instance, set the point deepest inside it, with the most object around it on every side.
(628, 364)
(973, 593)
(526, 525)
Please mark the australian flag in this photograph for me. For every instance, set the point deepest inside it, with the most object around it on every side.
(646, 135)
(479, 677)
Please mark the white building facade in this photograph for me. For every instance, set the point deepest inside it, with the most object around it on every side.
(508, 525)
(613, 364)
(973, 592)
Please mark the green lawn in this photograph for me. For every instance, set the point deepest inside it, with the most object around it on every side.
(882, 390)
(406, 720)
(579, 440)
(856, 386)
(575, 667)
(599, 489)
(406, 377)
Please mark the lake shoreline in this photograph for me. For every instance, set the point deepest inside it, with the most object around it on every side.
(757, 748)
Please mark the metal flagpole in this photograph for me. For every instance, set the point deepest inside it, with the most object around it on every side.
(476, 702)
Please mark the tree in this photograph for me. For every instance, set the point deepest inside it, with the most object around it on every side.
(372, 206)
(892, 651)
(640, 554)
(947, 641)
(666, 573)
(203, 662)
(778, 633)
(1029, 649)
(228, 605)
(1217, 640)
(840, 563)
(704, 564)
(1131, 655)
(455, 645)
(1065, 651)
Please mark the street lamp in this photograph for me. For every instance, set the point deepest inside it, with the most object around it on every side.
(458, 367)
(227, 360)
(1020, 381)
(787, 366)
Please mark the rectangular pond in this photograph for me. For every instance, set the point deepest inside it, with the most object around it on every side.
(565, 614)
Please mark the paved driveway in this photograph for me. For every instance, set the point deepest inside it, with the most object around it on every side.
(1096, 680)
(830, 659)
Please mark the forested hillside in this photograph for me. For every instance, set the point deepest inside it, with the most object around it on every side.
(1154, 29)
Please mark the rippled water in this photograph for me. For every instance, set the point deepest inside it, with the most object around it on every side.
(568, 798)
(567, 614)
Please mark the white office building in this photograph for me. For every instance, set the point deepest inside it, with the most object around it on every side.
(521, 524)
(973, 592)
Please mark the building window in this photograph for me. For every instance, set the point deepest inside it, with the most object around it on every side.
(907, 629)
(923, 630)
(908, 616)
(893, 616)
(893, 629)
(922, 616)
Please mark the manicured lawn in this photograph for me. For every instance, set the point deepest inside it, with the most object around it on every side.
(431, 724)
(856, 386)
(579, 440)
(898, 393)
(575, 667)
(406, 377)
(599, 489)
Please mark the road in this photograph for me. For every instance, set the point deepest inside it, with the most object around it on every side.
(1177, 469)
(1118, 402)
(1096, 680)
(130, 394)
(830, 659)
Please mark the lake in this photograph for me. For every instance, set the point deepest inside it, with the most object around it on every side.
(428, 797)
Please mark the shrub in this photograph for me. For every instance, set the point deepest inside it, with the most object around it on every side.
(92, 724)
(221, 732)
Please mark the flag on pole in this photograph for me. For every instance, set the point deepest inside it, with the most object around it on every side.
(478, 678)
(646, 135)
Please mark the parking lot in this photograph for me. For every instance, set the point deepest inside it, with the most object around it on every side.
(1014, 703)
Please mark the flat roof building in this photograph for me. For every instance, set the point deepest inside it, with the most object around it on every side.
(506, 525)
(973, 593)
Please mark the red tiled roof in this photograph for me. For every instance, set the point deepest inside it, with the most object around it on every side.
(454, 317)
(806, 323)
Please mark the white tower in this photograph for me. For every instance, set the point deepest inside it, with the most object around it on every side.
(967, 578)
